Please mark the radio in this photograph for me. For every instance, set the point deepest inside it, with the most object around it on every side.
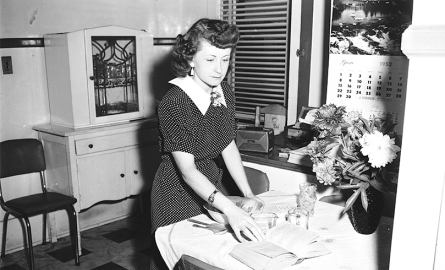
(255, 139)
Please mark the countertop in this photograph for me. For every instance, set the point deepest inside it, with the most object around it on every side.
(272, 158)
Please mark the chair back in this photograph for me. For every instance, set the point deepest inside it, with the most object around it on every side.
(21, 156)
(258, 182)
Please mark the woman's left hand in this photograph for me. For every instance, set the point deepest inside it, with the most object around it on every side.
(258, 199)
(243, 225)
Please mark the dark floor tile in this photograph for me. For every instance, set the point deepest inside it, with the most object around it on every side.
(12, 267)
(66, 254)
(109, 266)
(146, 251)
(121, 235)
(117, 254)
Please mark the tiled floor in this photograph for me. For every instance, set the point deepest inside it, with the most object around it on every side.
(124, 244)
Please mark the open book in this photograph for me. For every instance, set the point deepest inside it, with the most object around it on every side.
(286, 244)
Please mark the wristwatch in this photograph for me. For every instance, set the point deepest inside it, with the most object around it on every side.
(211, 198)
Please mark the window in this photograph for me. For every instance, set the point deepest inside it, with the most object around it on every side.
(259, 73)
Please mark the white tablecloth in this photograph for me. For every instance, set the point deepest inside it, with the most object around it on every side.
(349, 249)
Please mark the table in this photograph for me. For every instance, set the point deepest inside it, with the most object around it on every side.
(349, 249)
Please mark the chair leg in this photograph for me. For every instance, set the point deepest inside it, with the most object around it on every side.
(30, 247)
(73, 231)
(44, 228)
(5, 228)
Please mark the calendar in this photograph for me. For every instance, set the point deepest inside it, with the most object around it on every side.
(367, 68)
(371, 85)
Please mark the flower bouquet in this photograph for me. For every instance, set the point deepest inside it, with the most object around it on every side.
(354, 153)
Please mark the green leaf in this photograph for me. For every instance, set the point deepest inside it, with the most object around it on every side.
(353, 166)
(345, 169)
(364, 197)
(388, 128)
(349, 156)
(378, 185)
(361, 168)
(361, 177)
(331, 145)
(371, 127)
(351, 201)
(365, 123)
(347, 186)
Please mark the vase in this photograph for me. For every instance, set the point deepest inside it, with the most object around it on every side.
(366, 222)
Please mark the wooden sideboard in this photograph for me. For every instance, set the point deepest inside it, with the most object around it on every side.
(101, 163)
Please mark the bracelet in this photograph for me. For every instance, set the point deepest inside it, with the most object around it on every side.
(211, 198)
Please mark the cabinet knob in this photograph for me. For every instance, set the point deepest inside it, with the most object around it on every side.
(90, 146)
(135, 172)
(92, 78)
(122, 175)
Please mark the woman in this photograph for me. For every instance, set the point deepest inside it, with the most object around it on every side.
(196, 125)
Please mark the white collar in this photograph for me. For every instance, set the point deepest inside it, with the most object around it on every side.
(196, 93)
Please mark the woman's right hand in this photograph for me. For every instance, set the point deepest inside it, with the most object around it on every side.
(243, 225)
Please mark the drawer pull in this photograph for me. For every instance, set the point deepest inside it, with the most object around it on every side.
(122, 175)
(136, 172)
(90, 145)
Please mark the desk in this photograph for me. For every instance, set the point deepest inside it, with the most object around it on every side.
(349, 250)
(272, 158)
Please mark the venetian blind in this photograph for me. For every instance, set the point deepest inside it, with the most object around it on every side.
(259, 70)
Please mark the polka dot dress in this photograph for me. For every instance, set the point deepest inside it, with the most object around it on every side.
(182, 127)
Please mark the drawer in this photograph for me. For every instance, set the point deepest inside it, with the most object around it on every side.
(120, 140)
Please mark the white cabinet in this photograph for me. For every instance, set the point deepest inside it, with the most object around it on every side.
(101, 163)
(105, 163)
(99, 144)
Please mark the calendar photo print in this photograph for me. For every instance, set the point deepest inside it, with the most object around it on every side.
(370, 27)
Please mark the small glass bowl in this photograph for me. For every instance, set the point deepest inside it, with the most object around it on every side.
(298, 216)
(264, 220)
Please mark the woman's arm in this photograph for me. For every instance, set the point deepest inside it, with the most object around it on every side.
(234, 164)
(239, 220)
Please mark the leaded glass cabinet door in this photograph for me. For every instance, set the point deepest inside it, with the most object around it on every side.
(115, 75)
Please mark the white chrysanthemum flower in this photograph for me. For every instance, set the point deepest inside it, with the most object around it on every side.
(379, 148)
(324, 172)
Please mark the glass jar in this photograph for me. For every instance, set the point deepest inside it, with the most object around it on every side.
(307, 197)
(265, 220)
(298, 216)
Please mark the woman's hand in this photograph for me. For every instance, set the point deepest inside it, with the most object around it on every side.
(243, 225)
(258, 199)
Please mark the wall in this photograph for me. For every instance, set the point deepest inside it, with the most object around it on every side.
(23, 94)
(419, 228)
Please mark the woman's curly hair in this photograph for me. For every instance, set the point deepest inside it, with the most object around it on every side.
(218, 33)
